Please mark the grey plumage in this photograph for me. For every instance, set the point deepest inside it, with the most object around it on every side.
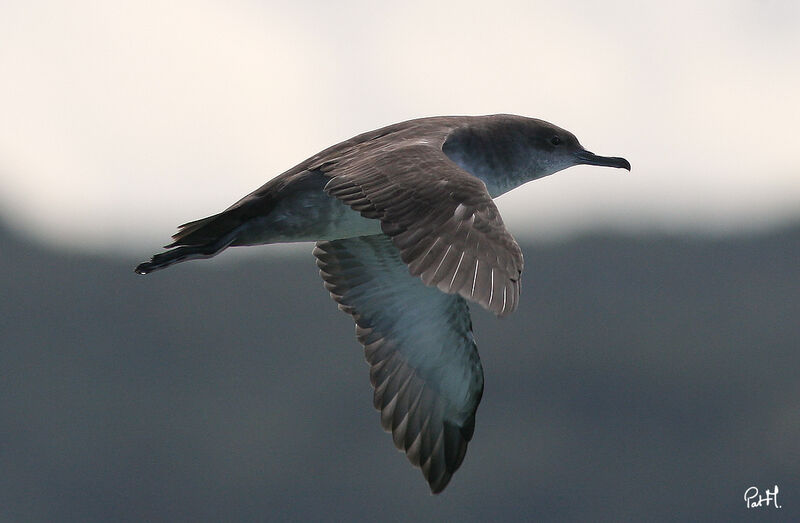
(406, 233)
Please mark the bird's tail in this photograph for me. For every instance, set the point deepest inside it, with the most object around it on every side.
(198, 239)
(207, 237)
(183, 253)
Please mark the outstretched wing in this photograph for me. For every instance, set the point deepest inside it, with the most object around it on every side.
(424, 364)
(440, 217)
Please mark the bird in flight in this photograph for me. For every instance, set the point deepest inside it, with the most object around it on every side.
(406, 234)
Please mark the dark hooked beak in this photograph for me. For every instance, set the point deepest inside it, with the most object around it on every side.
(588, 158)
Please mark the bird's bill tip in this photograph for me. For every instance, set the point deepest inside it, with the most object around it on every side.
(589, 158)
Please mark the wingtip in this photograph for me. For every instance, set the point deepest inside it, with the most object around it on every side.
(436, 490)
(438, 485)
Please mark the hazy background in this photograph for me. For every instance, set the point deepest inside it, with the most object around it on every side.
(649, 379)
(650, 372)
(122, 119)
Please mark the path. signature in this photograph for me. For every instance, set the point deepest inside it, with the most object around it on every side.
(754, 500)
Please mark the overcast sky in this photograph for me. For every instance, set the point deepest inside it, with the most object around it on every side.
(120, 120)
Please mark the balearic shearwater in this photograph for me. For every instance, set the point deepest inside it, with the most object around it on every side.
(406, 233)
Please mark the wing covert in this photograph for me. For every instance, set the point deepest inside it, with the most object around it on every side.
(441, 218)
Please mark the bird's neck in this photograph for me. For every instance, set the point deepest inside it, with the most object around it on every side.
(497, 158)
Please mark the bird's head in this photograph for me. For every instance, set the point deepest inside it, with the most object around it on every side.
(552, 149)
(506, 151)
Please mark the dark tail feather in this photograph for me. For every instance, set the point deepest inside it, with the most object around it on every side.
(198, 231)
(206, 237)
(198, 239)
(180, 254)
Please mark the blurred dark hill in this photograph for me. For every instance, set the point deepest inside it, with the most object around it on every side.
(641, 379)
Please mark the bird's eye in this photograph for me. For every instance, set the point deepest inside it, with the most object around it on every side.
(555, 140)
